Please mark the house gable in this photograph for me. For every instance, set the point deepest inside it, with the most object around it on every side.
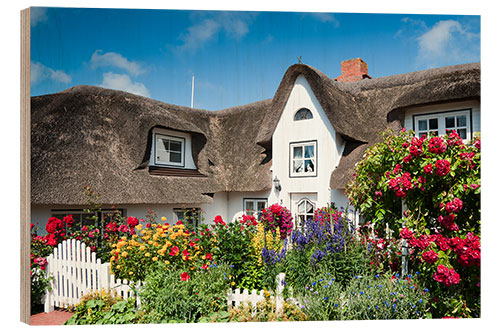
(318, 132)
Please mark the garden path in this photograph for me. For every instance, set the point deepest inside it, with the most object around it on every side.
(57, 317)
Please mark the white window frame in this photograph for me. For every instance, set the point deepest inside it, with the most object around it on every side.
(255, 202)
(301, 222)
(441, 118)
(314, 160)
(182, 141)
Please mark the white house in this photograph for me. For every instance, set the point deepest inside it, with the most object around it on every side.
(298, 149)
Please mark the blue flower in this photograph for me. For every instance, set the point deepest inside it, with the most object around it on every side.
(326, 286)
(397, 275)
(412, 287)
(376, 306)
(314, 283)
(409, 275)
(336, 305)
(420, 301)
(361, 293)
(333, 279)
(325, 298)
(377, 276)
(380, 286)
(426, 290)
(356, 277)
(418, 273)
(327, 274)
(394, 306)
(320, 280)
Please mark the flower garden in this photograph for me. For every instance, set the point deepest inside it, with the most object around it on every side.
(417, 255)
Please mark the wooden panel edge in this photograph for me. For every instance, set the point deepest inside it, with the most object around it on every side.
(25, 190)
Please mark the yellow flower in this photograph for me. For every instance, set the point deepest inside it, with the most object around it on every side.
(124, 254)
(131, 273)
(163, 218)
(142, 248)
(147, 254)
(232, 283)
(150, 242)
(139, 227)
(155, 258)
(167, 262)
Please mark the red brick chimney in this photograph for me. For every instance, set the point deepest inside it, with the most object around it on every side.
(353, 70)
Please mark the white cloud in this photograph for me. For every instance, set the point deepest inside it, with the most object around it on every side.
(123, 82)
(40, 72)
(38, 15)
(209, 26)
(113, 59)
(447, 41)
(326, 18)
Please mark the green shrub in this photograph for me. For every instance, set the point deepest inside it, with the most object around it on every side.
(266, 311)
(178, 296)
(104, 308)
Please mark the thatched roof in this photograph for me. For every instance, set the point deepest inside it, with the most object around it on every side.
(102, 138)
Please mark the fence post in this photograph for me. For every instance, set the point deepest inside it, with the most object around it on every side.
(280, 285)
(104, 276)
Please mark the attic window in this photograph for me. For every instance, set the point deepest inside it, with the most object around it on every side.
(169, 150)
(303, 114)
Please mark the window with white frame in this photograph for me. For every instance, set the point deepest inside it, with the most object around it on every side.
(169, 150)
(303, 159)
(305, 211)
(254, 207)
(441, 123)
(82, 218)
(190, 217)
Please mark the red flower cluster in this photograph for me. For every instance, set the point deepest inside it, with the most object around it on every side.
(132, 221)
(430, 256)
(468, 157)
(454, 139)
(248, 220)
(437, 145)
(406, 233)
(401, 184)
(454, 206)
(468, 250)
(442, 167)
(447, 222)
(218, 220)
(446, 275)
(428, 169)
(184, 276)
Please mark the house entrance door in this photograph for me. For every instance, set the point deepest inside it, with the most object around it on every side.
(303, 207)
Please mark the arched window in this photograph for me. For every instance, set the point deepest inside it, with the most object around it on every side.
(303, 114)
(305, 211)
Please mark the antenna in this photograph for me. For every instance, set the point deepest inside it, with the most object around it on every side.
(192, 93)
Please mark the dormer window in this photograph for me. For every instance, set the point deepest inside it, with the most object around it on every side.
(169, 150)
(303, 114)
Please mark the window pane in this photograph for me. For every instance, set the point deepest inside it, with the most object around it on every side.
(175, 146)
(165, 143)
(422, 125)
(297, 152)
(309, 166)
(463, 133)
(261, 205)
(433, 123)
(249, 206)
(420, 134)
(309, 151)
(435, 133)
(461, 121)
(450, 122)
(302, 207)
(175, 157)
(310, 207)
(298, 166)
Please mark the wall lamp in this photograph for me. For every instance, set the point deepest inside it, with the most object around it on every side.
(277, 184)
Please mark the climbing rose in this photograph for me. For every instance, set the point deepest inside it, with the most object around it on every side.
(406, 234)
(430, 257)
(454, 206)
(442, 167)
(437, 145)
(428, 169)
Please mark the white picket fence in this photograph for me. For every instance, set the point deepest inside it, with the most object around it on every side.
(236, 298)
(77, 272)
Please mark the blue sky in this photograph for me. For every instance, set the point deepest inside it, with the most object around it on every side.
(237, 57)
